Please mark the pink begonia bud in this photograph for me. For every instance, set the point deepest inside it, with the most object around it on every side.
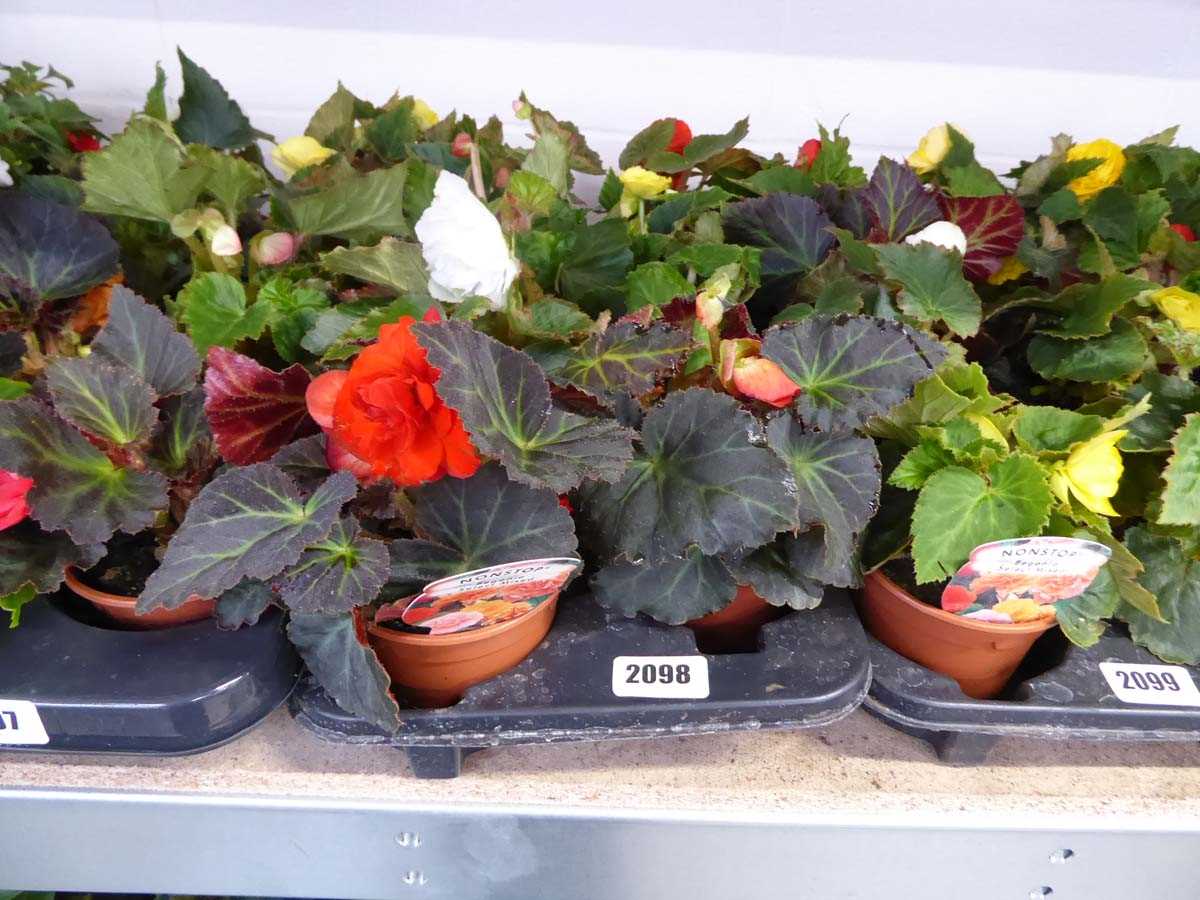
(225, 242)
(274, 248)
(709, 310)
(461, 145)
(523, 108)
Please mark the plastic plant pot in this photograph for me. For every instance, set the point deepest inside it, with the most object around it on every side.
(735, 628)
(123, 610)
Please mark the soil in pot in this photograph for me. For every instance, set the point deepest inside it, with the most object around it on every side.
(735, 628)
(434, 670)
(980, 656)
(114, 584)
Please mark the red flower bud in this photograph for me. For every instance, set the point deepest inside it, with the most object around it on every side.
(83, 141)
(1183, 231)
(809, 151)
(681, 138)
(461, 145)
(565, 503)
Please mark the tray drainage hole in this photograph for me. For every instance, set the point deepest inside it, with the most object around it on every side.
(408, 839)
(1039, 892)
(1061, 856)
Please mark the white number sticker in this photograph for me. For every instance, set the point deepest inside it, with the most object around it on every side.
(676, 677)
(20, 723)
(1158, 685)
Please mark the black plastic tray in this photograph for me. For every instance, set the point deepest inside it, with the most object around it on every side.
(176, 691)
(1059, 693)
(812, 668)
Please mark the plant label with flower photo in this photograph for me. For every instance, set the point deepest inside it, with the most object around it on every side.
(20, 723)
(1021, 580)
(484, 597)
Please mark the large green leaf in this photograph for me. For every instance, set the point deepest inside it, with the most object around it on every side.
(623, 359)
(215, 311)
(850, 368)
(106, 401)
(463, 524)
(1172, 575)
(207, 114)
(392, 131)
(957, 510)
(953, 389)
(1123, 223)
(249, 522)
(140, 174)
(346, 668)
(837, 481)
(392, 263)
(898, 202)
(139, 336)
(932, 286)
(294, 311)
(792, 231)
(1082, 618)
(595, 265)
(504, 401)
(333, 123)
(698, 479)
(655, 284)
(231, 181)
(30, 556)
(344, 570)
(1181, 497)
(48, 251)
(358, 208)
(1113, 356)
(1053, 430)
(1171, 399)
(652, 139)
(76, 489)
(699, 149)
(672, 590)
(1090, 307)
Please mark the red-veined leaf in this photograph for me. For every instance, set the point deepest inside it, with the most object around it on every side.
(994, 227)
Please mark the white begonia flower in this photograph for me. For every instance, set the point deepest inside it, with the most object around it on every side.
(225, 242)
(5, 175)
(946, 235)
(463, 246)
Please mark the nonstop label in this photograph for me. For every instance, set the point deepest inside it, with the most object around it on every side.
(673, 677)
(21, 724)
(1150, 683)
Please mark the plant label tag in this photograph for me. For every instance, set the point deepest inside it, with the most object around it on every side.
(1021, 580)
(1151, 683)
(673, 677)
(21, 724)
(483, 597)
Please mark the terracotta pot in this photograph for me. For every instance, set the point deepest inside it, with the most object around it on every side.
(735, 628)
(980, 656)
(433, 670)
(123, 610)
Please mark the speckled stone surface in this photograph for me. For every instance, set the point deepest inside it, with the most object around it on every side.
(857, 766)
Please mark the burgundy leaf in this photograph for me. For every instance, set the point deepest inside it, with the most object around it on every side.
(898, 202)
(994, 227)
(253, 411)
(681, 311)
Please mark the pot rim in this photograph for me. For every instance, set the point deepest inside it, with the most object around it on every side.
(90, 593)
(969, 624)
(458, 638)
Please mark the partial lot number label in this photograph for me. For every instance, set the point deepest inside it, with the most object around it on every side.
(20, 723)
(674, 677)
(1157, 685)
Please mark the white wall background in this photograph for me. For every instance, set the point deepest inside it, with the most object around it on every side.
(1010, 73)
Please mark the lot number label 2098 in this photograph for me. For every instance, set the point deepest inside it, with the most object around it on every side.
(675, 677)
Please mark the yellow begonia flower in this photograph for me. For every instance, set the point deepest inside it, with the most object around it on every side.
(1182, 307)
(1091, 473)
(1104, 175)
(1010, 268)
(424, 114)
(644, 184)
(932, 148)
(298, 153)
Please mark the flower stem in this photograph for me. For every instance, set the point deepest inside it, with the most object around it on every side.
(642, 215)
(477, 173)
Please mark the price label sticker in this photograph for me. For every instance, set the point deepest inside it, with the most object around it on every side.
(1158, 685)
(20, 723)
(674, 677)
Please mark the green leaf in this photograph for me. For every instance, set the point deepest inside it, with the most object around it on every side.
(933, 288)
(462, 524)
(293, 311)
(610, 191)
(332, 125)
(249, 522)
(391, 132)
(701, 148)
(781, 179)
(207, 114)
(1113, 356)
(30, 557)
(1171, 399)
(595, 265)
(243, 604)
(232, 182)
(505, 404)
(48, 251)
(392, 263)
(532, 193)
(655, 284)
(1092, 307)
(1124, 224)
(1181, 497)
(14, 602)
(919, 463)
(699, 478)
(156, 98)
(1053, 430)
(972, 180)
(792, 231)
(345, 570)
(106, 401)
(955, 388)
(347, 669)
(706, 259)
(1082, 618)
(358, 208)
(55, 188)
(139, 336)
(583, 158)
(76, 487)
(850, 369)
(652, 139)
(672, 591)
(215, 311)
(1061, 206)
(770, 572)
(141, 175)
(550, 159)
(957, 510)
(623, 359)
(552, 318)
(11, 390)
(1172, 574)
